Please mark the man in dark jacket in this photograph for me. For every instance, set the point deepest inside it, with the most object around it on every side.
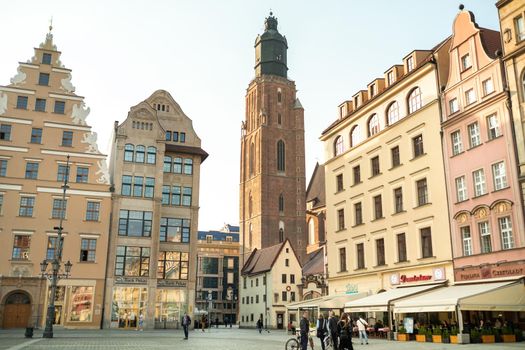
(305, 328)
(186, 321)
(332, 327)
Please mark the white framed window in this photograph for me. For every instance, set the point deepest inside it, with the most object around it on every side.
(410, 64)
(461, 189)
(338, 146)
(505, 229)
(373, 125)
(488, 86)
(467, 240)
(499, 175)
(465, 62)
(493, 126)
(393, 113)
(453, 105)
(470, 96)
(480, 187)
(414, 100)
(520, 28)
(457, 145)
(484, 234)
(474, 135)
(390, 78)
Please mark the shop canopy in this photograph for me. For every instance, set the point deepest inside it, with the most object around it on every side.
(382, 301)
(329, 302)
(486, 296)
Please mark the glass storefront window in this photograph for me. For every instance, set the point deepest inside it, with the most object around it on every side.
(81, 304)
(128, 304)
(170, 307)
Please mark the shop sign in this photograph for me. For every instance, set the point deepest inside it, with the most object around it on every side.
(171, 283)
(414, 278)
(131, 280)
(351, 289)
(490, 271)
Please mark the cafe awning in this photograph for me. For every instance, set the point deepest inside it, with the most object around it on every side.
(336, 301)
(381, 301)
(488, 296)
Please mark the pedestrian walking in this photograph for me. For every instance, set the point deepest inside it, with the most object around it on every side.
(344, 329)
(304, 326)
(186, 321)
(322, 329)
(332, 327)
(361, 327)
(141, 322)
(216, 322)
(226, 320)
(259, 325)
(203, 322)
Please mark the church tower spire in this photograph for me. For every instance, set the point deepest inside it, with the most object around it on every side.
(270, 50)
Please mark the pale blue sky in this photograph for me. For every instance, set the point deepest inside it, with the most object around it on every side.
(202, 53)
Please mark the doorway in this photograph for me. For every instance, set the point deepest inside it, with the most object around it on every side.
(17, 311)
(280, 323)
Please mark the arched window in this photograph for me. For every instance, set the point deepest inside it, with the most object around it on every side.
(393, 113)
(279, 96)
(281, 235)
(281, 203)
(167, 164)
(373, 125)
(128, 152)
(279, 118)
(338, 146)
(177, 165)
(311, 231)
(355, 136)
(281, 156)
(251, 161)
(414, 100)
(140, 152)
(152, 155)
(188, 166)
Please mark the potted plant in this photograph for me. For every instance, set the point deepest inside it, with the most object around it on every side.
(487, 336)
(454, 335)
(421, 335)
(518, 333)
(436, 335)
(445, 336)
(475, 336)
(402, 334)
(508, 335)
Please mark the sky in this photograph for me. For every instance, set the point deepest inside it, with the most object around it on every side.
(202, 53)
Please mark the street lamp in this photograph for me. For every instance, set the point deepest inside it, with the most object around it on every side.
(54, 275)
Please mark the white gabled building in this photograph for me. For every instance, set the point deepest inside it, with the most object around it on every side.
(270, 279)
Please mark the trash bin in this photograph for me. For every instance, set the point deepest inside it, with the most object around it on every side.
(29, 332)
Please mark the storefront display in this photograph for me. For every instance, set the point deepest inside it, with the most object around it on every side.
(170, 306)
(127, 306)
(81, 304)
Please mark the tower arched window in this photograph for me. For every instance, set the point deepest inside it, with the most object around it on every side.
(281, 203)
(373, 125)
(355, 136)
(251, 161)
(279, 96)
(279, 120)
(152, 155)
(128, 152)
(311, 231)
(140, 153)
(338, 146)
(281, 156)
(281, 235)
(393, 113)
(414, 100)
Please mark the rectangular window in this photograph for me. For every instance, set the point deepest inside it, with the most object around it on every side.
(67, 138)
(63, 172)
(132, 261)
(82, 174)
(457, 145)
(396, 160)
(505, 229)
(175, 195)
(166, 195)
(401, 247)
(21, 247)
(461, 189)
(40, 105)
(284, 296)
(59, 209)
(484, 234)
(286, 262)
(465, 62)
(176, 136)
(182, 137)
(467, 240)
(36, 135)
(426, 242)
(188, 166)
(410, 64)
(340, 219)
(43, 79)
(357, 174)
(378, 207)
(138, 186)
(520, 28)
(1, 204)
(358, 213)
(417, 143)
(474, 135)
(21, 102)
(372, 90)
(339, 182)
(283, 278)
(375, 166)
(186, 196)
(422, 192)
(92, 211)
(168, 135)
(52, 247)
(135, 223)
(177, 165)
(453, 105)
(292, 296)
(175, 266)
(31, 170)
(88, 249)
(398, 200)
(292, 278)
(493, 126)
(360, 255)
(380, 251)
(126, 185)
(499, 175)
(167, 164)
(390, 78)
(470, 96)
(342, 259)
(60, 107)
(149, 189)
(5, 132)
(480, 187)
(488, 87)
(26, 206)
(175, 230)
(3, 167)
(46, 58)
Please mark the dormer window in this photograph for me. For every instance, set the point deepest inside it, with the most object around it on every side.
(465, 62)
(343, 111)
(46, 58)
(372, 90)
(410, 64)
(356, 101)
(390, 78)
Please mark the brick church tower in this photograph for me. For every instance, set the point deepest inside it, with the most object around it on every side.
(272, 184)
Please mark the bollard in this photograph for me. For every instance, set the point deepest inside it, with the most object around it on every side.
(29, 332)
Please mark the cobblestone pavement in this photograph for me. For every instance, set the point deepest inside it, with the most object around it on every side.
(217, 339)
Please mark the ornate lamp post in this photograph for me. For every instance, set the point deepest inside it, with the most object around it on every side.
(55, 274)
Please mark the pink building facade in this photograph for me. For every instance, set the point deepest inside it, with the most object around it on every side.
(486, 214)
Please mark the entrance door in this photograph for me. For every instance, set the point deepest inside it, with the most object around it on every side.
(280, 321)
(17, 311)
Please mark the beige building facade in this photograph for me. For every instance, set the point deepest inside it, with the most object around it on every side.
(386, 208)
(155, 172)
(42, 122)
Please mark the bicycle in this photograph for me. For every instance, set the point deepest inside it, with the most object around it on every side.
(295, 342)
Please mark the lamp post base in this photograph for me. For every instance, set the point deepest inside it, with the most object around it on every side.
(48, 331)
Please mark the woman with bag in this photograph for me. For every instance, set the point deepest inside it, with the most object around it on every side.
(344, 328)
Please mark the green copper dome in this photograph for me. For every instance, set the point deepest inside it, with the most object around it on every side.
(270, 50)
